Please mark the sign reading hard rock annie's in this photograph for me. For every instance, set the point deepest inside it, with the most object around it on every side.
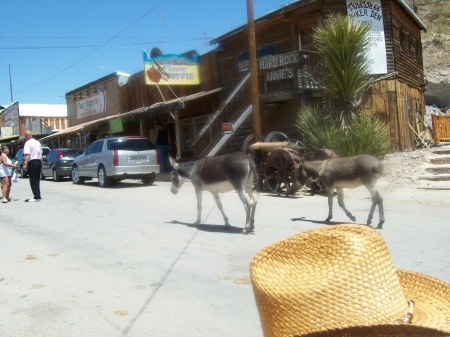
(369, 12)
(279, 60)
(91, 106)
(285, 64)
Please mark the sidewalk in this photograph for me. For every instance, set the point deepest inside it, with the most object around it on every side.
(166, 176)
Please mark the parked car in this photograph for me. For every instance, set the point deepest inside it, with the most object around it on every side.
(117, 158)
(58, 163)
(45, 151)
(19, 159)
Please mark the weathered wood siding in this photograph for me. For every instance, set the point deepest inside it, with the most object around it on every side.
(396, 101)
(407, 47)
(398, 104)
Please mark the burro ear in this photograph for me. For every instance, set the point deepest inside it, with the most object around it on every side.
(173, 162)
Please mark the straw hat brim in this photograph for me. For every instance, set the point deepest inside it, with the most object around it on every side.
(431, 312)
(379, 331)
(431, 297)
(342, 279)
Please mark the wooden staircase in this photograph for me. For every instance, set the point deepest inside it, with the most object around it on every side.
(235, 109)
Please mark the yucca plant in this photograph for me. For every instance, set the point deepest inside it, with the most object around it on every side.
(364, 133)
(345, 64)
(318, 129)
(340, 123)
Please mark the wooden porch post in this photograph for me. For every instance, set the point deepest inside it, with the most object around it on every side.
(253, 71)
(178, 133)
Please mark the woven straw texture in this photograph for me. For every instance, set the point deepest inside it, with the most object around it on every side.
(340, 276)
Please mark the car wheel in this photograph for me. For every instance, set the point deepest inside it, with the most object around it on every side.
(103, 179)
(148, 180)
(42, 176)
(56, 176)
(76, 179)
(22, 172)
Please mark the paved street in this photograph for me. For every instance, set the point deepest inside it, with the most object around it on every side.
(125, 261)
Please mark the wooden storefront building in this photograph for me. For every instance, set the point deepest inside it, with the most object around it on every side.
(284, 89)
(198, 115)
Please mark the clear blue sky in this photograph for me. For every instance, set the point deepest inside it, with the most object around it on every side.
(54, 46)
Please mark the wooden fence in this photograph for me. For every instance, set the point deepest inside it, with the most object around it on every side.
(441, 128)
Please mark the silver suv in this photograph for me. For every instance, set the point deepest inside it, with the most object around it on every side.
(117, 158)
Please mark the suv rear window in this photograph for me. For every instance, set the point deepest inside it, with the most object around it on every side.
(130, 144)
(70, 153)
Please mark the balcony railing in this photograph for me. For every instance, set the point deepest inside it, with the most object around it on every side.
(280, 77)
(292, 73)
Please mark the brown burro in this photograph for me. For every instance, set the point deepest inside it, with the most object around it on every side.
(346, 172)
(220, 174)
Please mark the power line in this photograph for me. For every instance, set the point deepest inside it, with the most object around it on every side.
(102, 45)
(97, 48)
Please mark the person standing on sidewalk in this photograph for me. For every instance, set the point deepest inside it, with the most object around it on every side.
(33, 165)
(163, 147)
(6, 171)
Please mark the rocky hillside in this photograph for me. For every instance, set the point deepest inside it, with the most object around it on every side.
(435, 14)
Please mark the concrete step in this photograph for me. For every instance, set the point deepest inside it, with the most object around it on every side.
(439, 169)
(441, 151)
(434, 188)
(437, 177)
(440, 160)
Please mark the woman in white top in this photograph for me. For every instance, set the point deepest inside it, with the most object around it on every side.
(6, 171)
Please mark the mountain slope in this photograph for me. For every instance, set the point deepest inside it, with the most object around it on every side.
(435, 14)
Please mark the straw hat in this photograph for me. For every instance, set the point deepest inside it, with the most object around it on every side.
(341, 281)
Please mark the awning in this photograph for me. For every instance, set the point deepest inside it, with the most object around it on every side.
(152, 110)
(9, 138)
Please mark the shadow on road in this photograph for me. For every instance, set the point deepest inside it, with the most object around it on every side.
(323, 222)
(282, 196)
(116, 185)
(211, 228)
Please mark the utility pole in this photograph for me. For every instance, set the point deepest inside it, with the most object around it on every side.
(10, 83)
(253, 70)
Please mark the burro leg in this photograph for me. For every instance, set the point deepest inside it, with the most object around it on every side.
(330, 204)
(248, 204)
(198, 193)
(219, 205)
(340, 195)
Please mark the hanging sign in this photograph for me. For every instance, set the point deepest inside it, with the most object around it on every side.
(369, 12)
(91, 106)
(115, 125)
(11, 117)
(170, 69)
(227, 128)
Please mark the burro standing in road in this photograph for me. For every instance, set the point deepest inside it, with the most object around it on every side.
(220, 174)
(347, 172)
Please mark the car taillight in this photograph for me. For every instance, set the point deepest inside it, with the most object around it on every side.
(157, 157)
(60, 154)
(116, 158)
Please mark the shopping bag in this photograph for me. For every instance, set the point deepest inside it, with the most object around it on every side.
(15, 177)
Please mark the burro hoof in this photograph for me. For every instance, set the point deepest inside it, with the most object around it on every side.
(246, 231)
(380, 225)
